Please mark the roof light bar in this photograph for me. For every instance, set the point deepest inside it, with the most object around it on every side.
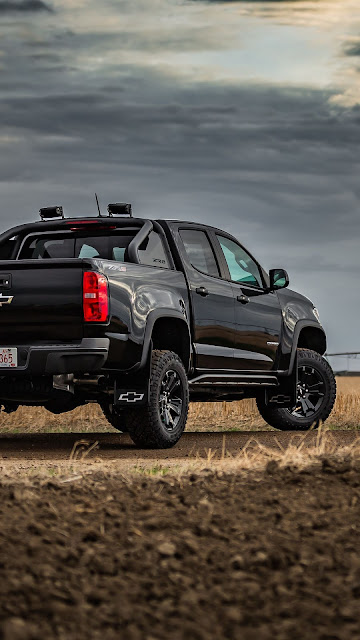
(51, 213)
(119, 209)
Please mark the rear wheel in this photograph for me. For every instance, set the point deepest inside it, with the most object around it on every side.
(160, 423)
(316, 393)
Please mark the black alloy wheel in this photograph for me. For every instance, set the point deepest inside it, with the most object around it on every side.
(171, 399)
(310, 392)
(160, 423)
(316, 394)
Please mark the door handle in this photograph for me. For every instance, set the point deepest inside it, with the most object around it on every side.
(243, 299)
(202, 291)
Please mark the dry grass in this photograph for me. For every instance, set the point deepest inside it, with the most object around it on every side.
(245, 416)
(298, 454)
(253, 457)
(221, 416)
(257, 457)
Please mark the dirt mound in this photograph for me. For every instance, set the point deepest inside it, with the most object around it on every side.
(206, 556)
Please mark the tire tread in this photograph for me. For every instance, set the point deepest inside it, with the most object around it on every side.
(141, 423)
(280, 418)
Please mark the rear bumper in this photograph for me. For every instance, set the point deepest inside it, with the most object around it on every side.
(88, 356)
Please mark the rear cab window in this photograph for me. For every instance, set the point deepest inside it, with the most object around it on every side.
(113, 247)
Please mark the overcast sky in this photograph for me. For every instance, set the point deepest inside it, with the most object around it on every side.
(240, 114)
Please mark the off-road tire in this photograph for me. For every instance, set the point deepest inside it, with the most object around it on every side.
(284, 419)
(144, 424)
(115, 417)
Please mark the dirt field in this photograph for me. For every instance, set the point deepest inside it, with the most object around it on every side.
(251, 534)
(221, 416)
(211, 555)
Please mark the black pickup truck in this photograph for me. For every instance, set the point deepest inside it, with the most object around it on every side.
(142, 316)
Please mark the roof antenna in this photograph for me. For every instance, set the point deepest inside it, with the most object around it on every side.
(98, 206)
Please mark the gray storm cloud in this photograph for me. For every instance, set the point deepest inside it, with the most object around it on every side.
(26, 6)
(249, 2)
(159, 113)
(352, 49)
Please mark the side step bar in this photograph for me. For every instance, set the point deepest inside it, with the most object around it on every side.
(232, 379)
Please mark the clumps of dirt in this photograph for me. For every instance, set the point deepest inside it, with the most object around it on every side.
(204, 556)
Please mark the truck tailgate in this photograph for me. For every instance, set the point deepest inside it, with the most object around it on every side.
(46, 303)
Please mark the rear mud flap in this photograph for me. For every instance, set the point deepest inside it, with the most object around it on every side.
(130, 396)
(133, 390)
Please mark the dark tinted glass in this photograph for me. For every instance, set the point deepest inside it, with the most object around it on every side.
(152, 251)
(45, 248)
(69, 246)
(118, 244)
(199, 251)
(92, 247)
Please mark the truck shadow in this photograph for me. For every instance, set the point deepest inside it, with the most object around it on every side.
(113, 445)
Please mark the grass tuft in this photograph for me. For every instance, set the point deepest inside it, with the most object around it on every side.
(156, 470)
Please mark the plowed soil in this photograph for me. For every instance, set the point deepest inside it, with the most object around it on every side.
(213, 555)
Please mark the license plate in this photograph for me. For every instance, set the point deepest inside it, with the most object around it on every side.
(8, 357)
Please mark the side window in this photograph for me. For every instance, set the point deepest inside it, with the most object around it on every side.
(152, 252)
(241, 266)
(199, 251)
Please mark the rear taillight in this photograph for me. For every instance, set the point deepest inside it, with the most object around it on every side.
(95, 297)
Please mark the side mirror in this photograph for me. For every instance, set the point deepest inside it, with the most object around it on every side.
(279, 279)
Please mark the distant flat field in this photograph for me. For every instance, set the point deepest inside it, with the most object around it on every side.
(349, 384)
(217, 416)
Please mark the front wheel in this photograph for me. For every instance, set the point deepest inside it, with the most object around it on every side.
(160, 423)
(316, 393)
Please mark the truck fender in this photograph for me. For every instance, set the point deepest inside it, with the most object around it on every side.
(153, 316)
(300, 325)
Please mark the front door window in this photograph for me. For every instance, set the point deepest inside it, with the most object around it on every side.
(242, 268)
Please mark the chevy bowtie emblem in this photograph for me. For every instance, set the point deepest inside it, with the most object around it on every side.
(131, 396)
(5, 299)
